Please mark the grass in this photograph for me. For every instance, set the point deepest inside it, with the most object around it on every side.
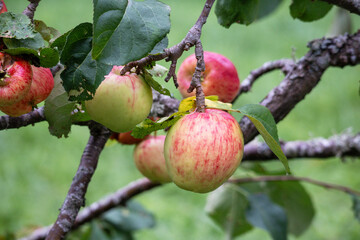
(36, 169)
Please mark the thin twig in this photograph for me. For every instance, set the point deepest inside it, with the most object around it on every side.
(294, 178)
(343, 145)
(31, 8)
(173, 53)
(351, 5)
(75, 198)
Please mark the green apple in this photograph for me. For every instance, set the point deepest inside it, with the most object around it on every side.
(120, 102)
(202, 150)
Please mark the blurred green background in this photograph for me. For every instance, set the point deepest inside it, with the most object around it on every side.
(36, 169)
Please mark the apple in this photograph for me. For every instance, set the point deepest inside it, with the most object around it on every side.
(149, 159)
(220, 77)
(120, 102)
(3, 7)
(41, 87)
(127, 139)
(15, 79)
(202, 150)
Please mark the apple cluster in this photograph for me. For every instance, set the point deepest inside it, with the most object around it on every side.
(200, 151)
(22, 86)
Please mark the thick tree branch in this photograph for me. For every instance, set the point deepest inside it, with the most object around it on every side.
(336, 52)
(7, 122)
(96, 209)
(285, 65)
(76, 195)
(343, 145)
(351, 5)
(294, 178)
(173, 53)
(163, 105)
(31, 8)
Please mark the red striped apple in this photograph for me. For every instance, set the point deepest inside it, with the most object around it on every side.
(120, 102)
(202, 150)
(3, 7)
(41, 87)
(220, 77)
(149, 159)
(15, 79)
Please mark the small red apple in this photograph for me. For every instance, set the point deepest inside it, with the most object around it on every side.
(202, 150)
(15, 79)
(149, 159)
(127, 139)
(220, 77)
(3, 7)
(120, 102)
(41, 86)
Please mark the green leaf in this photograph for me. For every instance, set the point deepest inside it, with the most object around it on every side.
(265, 124)
(356, 206)
(189, 103)
(127, 30)
(243, 11)
(265, 214)
(16, 25)
(133, 217)
(82, 75)
(48, 33)
(160, 46)
(97, 232)
(58, 110)
(49, 57)
(36, 42)
(154, 84)
(293, 197)
(22, 51)
(309, 10)
(148, 126)
(226, 207)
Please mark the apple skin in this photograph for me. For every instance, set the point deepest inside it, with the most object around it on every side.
(127, 139)
(120, 102)
(3, 9)
(149, 159)
(15, 79)
(41, 87)
(220, 77)
(202, 150)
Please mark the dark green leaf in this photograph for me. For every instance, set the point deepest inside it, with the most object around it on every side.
(265, 124)
(154, 84)
(148, 126)
(265, 214)
(356, 206)
(97, 232)
(243, 11)
(36, 42)
(226, 207)
(58, 110)
(309, 10)
(16, 25)
(127, 30)
(293, 197)
(133, 217)
(160, 46)
(49, 57)
(82, 75)
(22, 50)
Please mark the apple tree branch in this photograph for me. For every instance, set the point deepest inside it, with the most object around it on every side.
(31, 8)
(351, 5)
(75, 198)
